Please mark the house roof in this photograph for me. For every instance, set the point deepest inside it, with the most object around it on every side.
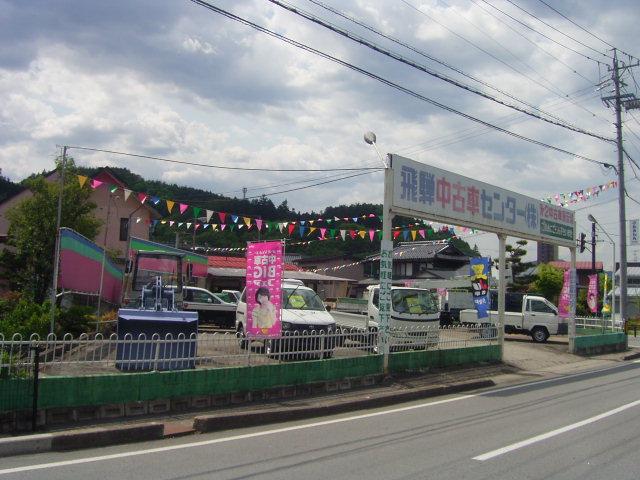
(564, 265)
(421, 251)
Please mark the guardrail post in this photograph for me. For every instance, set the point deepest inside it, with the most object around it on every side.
(35, 351)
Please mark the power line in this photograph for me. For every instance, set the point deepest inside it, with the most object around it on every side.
(579, 26)
(552, 88)
(426, 55)
(540, 33)
(316, 184)
(556, 29)
(318, 21)
(388, 82)
(222, 167)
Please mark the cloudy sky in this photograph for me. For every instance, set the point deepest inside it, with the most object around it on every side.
(176, 80)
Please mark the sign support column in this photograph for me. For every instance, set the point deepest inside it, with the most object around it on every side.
(572, 304)
(502, 288)
(386, 266)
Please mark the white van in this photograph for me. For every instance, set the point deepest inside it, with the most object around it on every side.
(303, 313)
(415, 316)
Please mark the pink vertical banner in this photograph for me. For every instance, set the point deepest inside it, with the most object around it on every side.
(564, 304)
(264, 288)
(592, 293)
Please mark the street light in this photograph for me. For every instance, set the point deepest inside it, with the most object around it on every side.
(370, 138)
(593, 220)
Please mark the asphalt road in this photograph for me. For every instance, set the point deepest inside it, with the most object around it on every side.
(584, 426)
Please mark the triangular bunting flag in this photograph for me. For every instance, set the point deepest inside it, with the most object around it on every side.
(234, 218)
(343, 234)
(223, 226)
(188, 225)
(126, 194)
(142, 197)
(371, 234)
(196, 212)
(170, 205)
(259, 224)
(312, 229)
(183, 208)
(113, 188)
(96, 183)
(302, 229)
(322, 232)
(421, 232)
(395, 234)
(155, 200)
(82, 180)
(209, 215)
(171, 222)
(352, 234)
(222, 216)
(247, 221)
(413, 235)
(291, 228)
(405, 234)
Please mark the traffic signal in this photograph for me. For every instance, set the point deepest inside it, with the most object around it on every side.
(583, 240)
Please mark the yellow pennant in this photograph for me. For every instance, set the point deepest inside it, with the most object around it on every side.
(413, 234)
(247, 221)
(170, 205)
(82, 180)
(362, 233)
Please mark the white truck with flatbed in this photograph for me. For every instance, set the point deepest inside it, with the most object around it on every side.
(526, 314)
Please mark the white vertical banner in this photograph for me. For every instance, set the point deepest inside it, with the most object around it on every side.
(634, 227)
(386, 277)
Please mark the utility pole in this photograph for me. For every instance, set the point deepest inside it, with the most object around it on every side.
(244, 193)
(593, 247)
(56, 260)
(630, 102)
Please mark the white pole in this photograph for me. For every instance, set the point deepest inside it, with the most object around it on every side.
(56, 258)
(502, 288)
(572, 295)
(386, 255)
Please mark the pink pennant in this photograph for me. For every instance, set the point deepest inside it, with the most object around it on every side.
(96, 183)
(322, 232)
(259, 224)
(142, 197)
(371, 234)
(222, 216)
(183, 207)
(421, 232)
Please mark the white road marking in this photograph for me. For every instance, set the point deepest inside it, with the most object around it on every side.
(553, 433)
(228, 439)
(78, 461)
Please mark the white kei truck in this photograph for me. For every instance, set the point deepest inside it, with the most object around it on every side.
(414, 323)
(528, 314)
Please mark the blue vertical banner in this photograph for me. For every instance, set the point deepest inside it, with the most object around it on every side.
(480, 270)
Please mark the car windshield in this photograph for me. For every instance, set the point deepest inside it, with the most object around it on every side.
(301, 299)
(414, 301)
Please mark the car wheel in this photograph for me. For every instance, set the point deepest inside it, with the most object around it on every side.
(242, 338)
(539, 334)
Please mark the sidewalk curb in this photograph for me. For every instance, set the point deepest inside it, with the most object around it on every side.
(216, 422)
(79, 439)
(105, 436)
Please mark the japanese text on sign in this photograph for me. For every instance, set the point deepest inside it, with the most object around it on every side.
(449, 197)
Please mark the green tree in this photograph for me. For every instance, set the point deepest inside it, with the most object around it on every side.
(548, 282)
(32, 230)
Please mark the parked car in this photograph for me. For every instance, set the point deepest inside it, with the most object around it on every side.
(303, 314)
(233, 293)
(210, 307)
(227, 297)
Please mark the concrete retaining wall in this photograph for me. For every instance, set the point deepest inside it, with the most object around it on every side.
(598, 344)
(67, 399)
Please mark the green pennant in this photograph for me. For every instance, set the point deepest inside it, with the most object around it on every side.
(332, 232)
(380, 235)
(196, 212)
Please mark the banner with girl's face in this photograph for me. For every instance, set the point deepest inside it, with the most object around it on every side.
(264, 288)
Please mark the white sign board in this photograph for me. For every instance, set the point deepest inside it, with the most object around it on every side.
(386, 277)
(421, 190)
(635, 225)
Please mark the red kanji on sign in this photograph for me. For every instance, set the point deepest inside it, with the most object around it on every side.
(443, 192)
(473, 200)
(458, 197)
